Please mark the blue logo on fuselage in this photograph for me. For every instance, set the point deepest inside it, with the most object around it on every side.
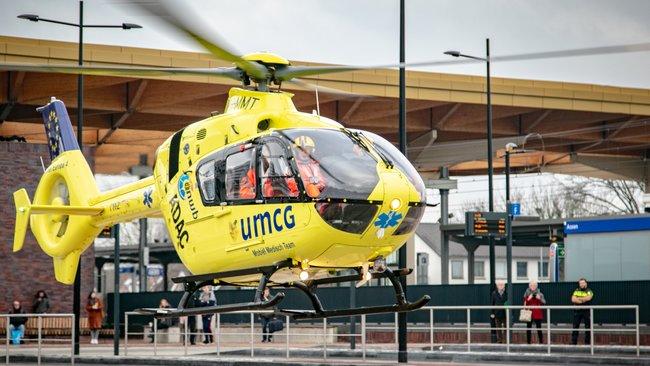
(181, 185)
(266, 222)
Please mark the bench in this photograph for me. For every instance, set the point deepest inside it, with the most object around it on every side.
(54, 326)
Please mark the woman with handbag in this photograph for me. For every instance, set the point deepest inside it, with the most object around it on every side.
(533, 297)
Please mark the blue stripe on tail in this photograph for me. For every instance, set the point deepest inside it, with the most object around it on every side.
(60, 136)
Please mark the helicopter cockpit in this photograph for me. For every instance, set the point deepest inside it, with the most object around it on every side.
(334, 168)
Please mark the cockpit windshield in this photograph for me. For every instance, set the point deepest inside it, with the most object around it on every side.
(331, 164)
(399, 160)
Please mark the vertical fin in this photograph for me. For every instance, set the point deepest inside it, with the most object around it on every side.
(65, 269)
(58, 128)
(23, 206)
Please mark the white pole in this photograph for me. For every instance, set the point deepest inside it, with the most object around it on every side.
(636, 314)
(8, 337)
(431, 327)
(325, 338)
(187, 320)
(126, 334)
(40, 327)
(591, 329)
(288, 332)
(363, 335)
(252, 335)
(469, 334)
(548, 331)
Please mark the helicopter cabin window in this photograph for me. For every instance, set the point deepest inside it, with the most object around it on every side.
(207, 182)
(240, 176)
(277, 179)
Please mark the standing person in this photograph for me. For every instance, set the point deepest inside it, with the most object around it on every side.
(41, 304)
(17, 323)
(95, 310)
(207, 298)
(582, 296)
(534, 297)
(500, 298)
(265, 319)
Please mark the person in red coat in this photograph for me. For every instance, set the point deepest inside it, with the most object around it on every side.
(95, 310)
(534, 297)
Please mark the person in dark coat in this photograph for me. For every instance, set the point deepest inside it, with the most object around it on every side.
(500, 298)
(265, 319)
(41, 304)
(534, 297)
(17, 322)
(207, 298)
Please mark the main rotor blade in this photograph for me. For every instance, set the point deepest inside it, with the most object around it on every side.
(301, 71)
(227, 72)
(177, 15)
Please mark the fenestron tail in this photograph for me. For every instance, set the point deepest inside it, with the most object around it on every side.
(68, 211)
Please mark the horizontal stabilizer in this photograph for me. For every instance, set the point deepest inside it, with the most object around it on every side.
(66, 210)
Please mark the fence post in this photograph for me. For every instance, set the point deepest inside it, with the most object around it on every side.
(40, 327)
(218, 334)
(591, 329)
(363, 335)
(396, 331)
(186, 327)
(8, 337)
(252, 335)
(72, 337)
(548, 330)
(469, 335)
(507, 330)
(72, 334)
(431, 327)
(288, 332)
(325, 338)
(126, 334)
(155, 336)
(636, 314)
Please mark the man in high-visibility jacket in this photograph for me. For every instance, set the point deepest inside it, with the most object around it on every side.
(581, 296)
(310, 171)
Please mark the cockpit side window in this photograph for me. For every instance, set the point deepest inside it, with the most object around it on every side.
(207, 182)
(241, 180)
(276, 176)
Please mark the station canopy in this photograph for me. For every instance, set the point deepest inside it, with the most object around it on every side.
(591, 130)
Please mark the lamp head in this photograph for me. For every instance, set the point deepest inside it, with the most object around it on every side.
(30, 17)
(453, 53)
(130, 26)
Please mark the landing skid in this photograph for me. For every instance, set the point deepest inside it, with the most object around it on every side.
(193, 283)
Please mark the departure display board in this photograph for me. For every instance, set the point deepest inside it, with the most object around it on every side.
(486, 224)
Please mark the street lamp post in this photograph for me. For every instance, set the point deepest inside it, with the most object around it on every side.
(486, 59)
(76, 304)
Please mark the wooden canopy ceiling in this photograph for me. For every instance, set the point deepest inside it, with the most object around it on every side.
(126, 117)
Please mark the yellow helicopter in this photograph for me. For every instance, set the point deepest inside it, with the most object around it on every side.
(261, 195)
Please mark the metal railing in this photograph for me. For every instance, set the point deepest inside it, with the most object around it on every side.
(468, 327)
(39, 335)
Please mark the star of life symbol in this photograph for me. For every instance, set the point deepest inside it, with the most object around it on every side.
(147, 198)
(386, 220)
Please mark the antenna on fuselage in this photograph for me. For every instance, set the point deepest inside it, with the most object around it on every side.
(317, 102)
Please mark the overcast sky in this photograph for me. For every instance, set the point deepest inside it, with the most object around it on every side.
(365, 32)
